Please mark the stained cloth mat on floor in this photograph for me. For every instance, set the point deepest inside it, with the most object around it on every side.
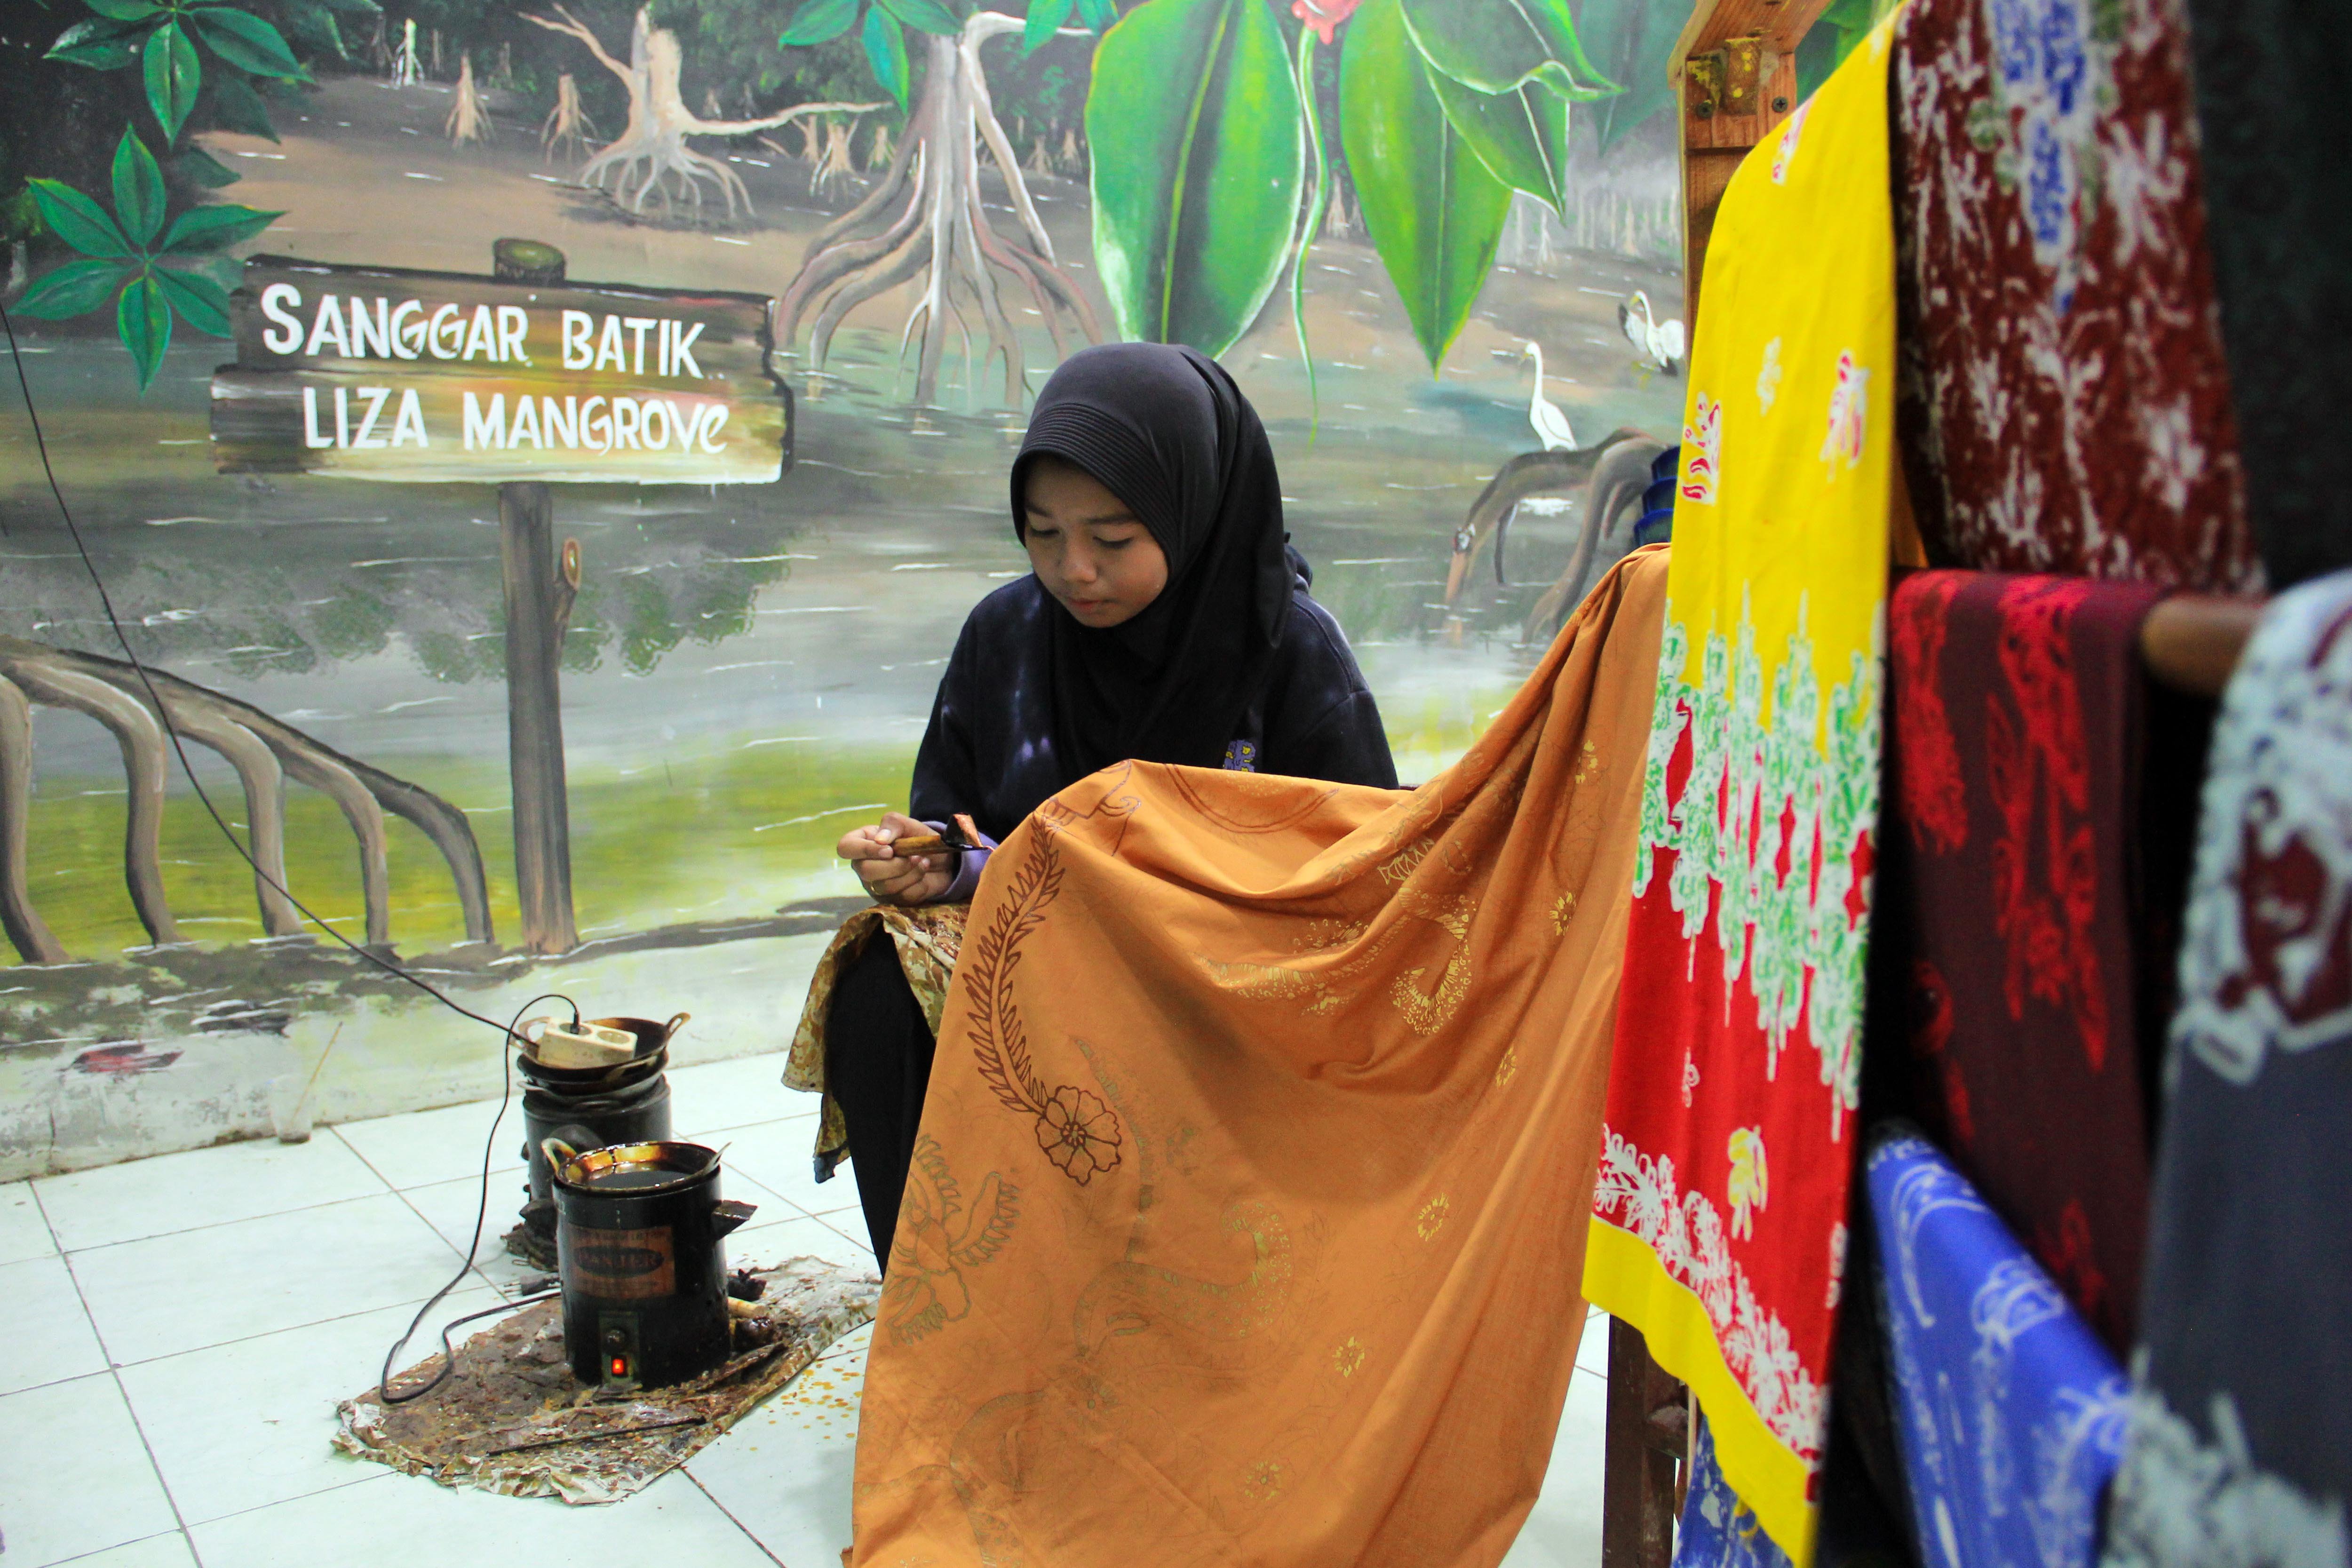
(1262, 1123)
(1719, 1218)
(2014, 920)
(512, 1418)
(2240, 1445)
(2013, 1411)
(928, 938)
(2056, 283)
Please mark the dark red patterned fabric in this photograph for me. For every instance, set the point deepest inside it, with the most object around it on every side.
(2064, 404)
(2016, 905)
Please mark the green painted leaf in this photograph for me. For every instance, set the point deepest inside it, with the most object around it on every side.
(99, 44)
(1631, 42)
(200, 302)
(78, 221)
(1500, 45)
(925, 15)
(138, 191)
(1521, 137)
(239, 107)
(885, 52)
(317, 30)
(817, 22)
(1435, 213)
(73, 290)
(1831, 37)
(243, 40)
(125, 10)
(1044, 16)
(1099, 14)
(1198, 157)
(195, 163)
(215, 227)
(173, 74)
(142, 319)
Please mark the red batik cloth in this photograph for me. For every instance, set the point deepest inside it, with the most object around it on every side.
(2064, 401)
(2017, 926)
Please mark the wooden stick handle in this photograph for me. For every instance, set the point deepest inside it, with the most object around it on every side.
(2191, 642)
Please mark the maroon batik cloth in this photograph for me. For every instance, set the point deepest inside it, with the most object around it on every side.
(2063, 399)
(2021, 934)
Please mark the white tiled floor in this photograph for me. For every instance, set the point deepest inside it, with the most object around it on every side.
(177, 1331)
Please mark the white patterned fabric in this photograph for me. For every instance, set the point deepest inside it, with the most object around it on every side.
(2241, 1442)
(2012, 1412)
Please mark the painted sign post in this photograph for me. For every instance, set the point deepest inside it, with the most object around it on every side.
(520, 379)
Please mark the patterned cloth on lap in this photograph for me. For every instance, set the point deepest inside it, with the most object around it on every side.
(2241, 1447)
(2066, 406)
(2013, 1411)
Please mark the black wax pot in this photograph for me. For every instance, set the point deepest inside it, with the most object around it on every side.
(639, 1240)
(589, 1108)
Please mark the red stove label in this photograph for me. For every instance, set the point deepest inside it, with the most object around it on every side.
(621, 1264)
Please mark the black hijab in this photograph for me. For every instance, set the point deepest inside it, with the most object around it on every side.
(1165, 430)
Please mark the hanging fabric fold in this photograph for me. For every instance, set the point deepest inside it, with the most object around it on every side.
(1247, 1215)
(2013, 1411)
(1719, 1217)
(2240, 1445)
(2028, 904)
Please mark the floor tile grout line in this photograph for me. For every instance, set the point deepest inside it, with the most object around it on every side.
(248, 1339)
(387, 1474)
(170, 1502)
(114, 1373)
(47, 1223)
(117, 1546)
(246, 1219)
(729, 1514)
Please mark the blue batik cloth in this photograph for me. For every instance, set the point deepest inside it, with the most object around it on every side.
(1717, 1529)
(2012, 1411)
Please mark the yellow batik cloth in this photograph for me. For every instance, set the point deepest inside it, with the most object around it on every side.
(1719, 1211)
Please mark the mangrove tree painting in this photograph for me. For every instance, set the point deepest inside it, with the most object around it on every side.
(423, 661)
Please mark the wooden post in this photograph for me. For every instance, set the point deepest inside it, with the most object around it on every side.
(538, 602)
(1735, 73)
(1648, 1434)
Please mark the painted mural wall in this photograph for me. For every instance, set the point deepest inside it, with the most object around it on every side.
(1429, 237)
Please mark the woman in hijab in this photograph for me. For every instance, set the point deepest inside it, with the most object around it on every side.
(1166, 619)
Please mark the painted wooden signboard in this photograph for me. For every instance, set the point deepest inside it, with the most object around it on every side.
(381, 373)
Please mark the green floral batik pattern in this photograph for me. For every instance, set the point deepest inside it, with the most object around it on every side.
(1754, 826)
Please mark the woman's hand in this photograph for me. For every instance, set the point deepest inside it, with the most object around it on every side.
(891, 877)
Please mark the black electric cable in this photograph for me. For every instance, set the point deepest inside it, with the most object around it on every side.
(106, 603)
(481, 1213)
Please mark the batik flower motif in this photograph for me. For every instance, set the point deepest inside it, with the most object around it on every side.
(1079, 1133)
(1323, 16)
(1786, 153)
(939, 1237)
(1849, 419)
(1749, 1186)
(1702, 450)
(2040, 783)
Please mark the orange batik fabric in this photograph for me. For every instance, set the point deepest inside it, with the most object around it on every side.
(1248, 1208)
(1719, 1217)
